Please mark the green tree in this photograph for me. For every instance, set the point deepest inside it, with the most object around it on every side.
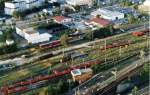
(134, 90)
(56, 11)
(127, 3)
(98, 16)
(18, 15)
(103, 32)
(64, 40)
(89, 35)
(15, 14)
(39, 16)
(135, 7)
(77, 7)
(131, 19)
(51, 90)
(95, 68)
(144, 73)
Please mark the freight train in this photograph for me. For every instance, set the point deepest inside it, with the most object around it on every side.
(73, 56)
(25, 85)
(50, 44)
(67, 57)
(140, 33)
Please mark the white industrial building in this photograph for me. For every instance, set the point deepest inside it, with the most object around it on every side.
(32, 36)
(54, 1)
(20, 5)
(79, 2)
(108, 14)
(145, 6)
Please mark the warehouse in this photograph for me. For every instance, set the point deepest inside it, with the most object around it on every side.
(145, 6)
(79, 2)
(108, 14)
(31, 35)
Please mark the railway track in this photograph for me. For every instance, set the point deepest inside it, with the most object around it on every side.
(63, 73)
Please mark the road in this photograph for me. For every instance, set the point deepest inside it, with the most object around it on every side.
(108, 78)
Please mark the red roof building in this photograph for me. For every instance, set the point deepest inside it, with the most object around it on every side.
(61, 19)
(98, 22)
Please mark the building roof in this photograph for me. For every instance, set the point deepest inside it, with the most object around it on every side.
(59, 18)
(31, 32)
(79, 2)
(46, 35)
(107, 13)
(86, 70)
(76, 72)
(100, 21)
(23, 26)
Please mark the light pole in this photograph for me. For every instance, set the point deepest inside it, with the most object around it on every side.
(120, 51)
(142, 55)
(105, 50)
(69, 84)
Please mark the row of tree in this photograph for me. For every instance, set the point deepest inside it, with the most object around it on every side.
(60, 88)
(8, 35)
(50, 25)
(8, 49)
(100, 33)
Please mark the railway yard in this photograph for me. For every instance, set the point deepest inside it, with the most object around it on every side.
(74, 47)
(41, 67)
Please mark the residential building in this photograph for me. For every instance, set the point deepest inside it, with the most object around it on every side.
(21, 5)
(33, 3)
(97, 22)
(31, 35)
(108, 14)
(81, 75)
(79, 2)
(56, 1)
(10, 7)
(62, 19)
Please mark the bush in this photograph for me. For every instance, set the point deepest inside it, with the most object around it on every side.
(50, 25)
(103, 32)
(8, 49)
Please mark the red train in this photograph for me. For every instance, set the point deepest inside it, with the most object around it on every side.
(53, 44)
(140, 33)
(50, 44)
(23, 86)
(117, 44)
